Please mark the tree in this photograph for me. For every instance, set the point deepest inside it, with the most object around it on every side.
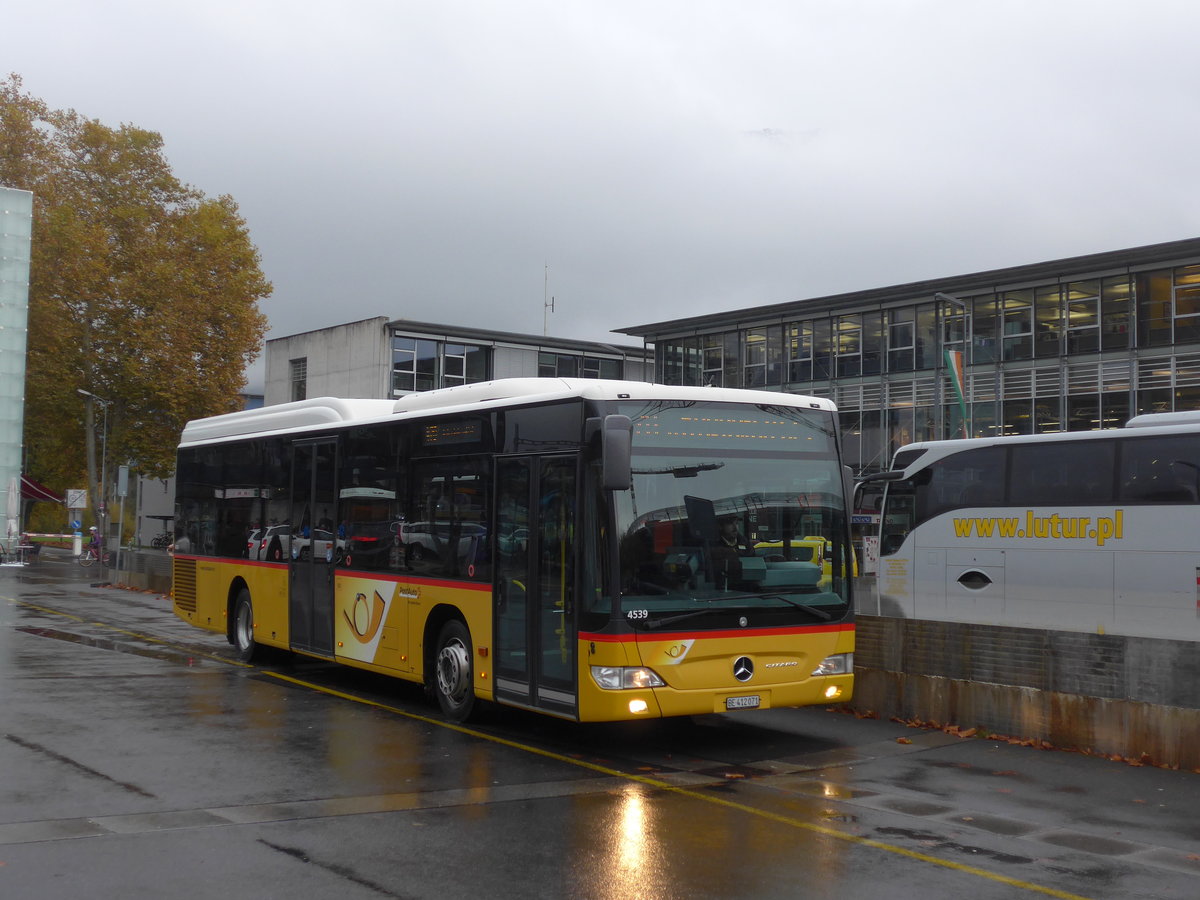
(143, 292)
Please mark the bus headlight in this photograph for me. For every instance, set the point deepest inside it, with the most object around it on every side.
(618, 678)
(838, 664)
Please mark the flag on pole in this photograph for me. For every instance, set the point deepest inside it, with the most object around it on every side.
(954, 365)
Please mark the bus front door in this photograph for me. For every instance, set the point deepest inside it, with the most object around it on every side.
(536, 553)
(314, 549)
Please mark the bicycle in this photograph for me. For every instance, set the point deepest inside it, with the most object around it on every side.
(91, 555)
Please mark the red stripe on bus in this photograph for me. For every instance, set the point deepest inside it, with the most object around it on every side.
(738, 632)
(353, 573)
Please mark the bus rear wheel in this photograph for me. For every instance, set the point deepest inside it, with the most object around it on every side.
(454, 680)
(243, 627)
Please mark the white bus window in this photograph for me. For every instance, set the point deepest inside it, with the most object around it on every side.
(1070, 474)
(972, 478)
(1164, 469)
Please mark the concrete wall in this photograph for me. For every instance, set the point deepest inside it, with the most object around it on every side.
(352, 360)
(147, 570)
(355, 360)
(1108, 694)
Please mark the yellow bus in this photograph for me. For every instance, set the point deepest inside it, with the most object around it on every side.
(542, 543)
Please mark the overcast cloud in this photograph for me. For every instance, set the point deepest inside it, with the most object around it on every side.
(663, 159)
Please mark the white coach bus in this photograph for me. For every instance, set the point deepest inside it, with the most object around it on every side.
(1093, 531)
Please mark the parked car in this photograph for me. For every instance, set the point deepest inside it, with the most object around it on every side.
(373, 545)
(514, 541)
(429, 540)
(812, 548)
(274, 543)
(321, 543)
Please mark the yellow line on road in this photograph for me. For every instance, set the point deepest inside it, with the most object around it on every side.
(655, 783)
(687, 792)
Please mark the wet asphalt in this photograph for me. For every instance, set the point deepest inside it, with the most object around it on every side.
(139, 759)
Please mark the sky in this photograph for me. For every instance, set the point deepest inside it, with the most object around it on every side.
(465, 162)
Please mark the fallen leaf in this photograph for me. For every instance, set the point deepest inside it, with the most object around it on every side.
(903, 740)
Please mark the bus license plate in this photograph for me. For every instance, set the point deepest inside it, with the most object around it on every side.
(750, 702)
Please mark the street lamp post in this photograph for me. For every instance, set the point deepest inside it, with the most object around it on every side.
(102, 504)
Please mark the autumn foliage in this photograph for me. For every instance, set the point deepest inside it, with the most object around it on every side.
(142, 290)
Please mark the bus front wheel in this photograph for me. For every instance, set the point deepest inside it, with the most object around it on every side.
(243, 627)
(454, 681)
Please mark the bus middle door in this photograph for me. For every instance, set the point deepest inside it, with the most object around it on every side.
(314, 548)
(534, 610)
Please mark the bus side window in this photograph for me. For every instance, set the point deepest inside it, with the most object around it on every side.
(1065, 474)
(1159, 469)
(945, 484)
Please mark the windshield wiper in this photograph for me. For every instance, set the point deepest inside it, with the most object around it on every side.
(691, 614)
(658, 623)
(815, 610)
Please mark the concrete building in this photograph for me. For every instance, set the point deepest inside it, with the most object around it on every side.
(384, 358)
(1072, 344)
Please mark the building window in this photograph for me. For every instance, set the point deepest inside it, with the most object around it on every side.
(754, 358)
(983, 330)
(420, 364)
(872, 343)
(414, 365)
(566, 365)
(557, 365)
(800, 351)
(1048, 322)
(849, 346)
(1154, 308)
(1083, 317)
(901, 330)
(1115, 308)
(954, 327)
(823, 351)
(762, 356)
(713, 351)
(680, 362)
(1187, 304)
(454, 362)
(596, 367)
(1017, 313)
(298, 378)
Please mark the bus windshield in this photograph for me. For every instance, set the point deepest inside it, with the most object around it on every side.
(736, 517)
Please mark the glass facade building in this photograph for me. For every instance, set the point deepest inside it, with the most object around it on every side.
(16, 229)
(1068, 345)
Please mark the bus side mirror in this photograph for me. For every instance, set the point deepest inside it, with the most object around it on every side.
(618, 453)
